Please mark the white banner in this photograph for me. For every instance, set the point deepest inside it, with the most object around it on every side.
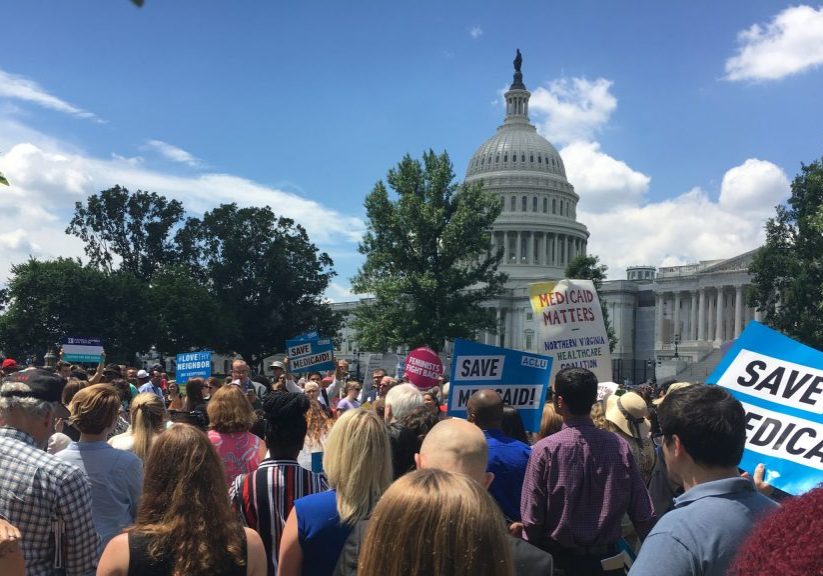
(571, 326)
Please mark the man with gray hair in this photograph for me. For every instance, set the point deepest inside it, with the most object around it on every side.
(401, 400)
(48, 499)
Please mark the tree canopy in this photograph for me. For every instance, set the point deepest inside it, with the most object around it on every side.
(265, 273)
(236, 280)
(429, 262)
(135, 227)
(588, 267)
(787, 272)
(49, 300)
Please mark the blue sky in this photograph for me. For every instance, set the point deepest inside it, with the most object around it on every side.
(680, 126)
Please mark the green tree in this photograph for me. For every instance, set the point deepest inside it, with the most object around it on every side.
(787, 272)
(49, 300)
(187, 314)
(585, 267)
(265, 274)
(135, 227)
(428, 254)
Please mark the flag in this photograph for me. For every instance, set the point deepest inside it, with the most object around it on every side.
(3, 180)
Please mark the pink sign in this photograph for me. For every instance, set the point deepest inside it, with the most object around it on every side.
(423, 368)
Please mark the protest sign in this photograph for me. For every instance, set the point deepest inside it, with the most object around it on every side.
(423, 368)
(780, 383)
(606, 389)
(571, 324)
(192, 365)
(521, 378)
(77, 349)
(307, 353)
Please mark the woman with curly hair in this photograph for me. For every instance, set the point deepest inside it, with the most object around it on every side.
(318, 425)
(184, 526)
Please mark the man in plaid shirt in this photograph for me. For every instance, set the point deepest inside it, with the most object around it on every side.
(47, 499)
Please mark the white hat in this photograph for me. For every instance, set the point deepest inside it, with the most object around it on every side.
(141, 374)
(277, 364)
(628, 412)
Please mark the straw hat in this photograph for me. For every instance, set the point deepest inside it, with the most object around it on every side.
(672, 388)
(628, 412)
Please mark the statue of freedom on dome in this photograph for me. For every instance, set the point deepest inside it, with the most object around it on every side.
(518, 61)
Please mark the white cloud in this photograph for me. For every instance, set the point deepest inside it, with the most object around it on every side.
(691, 226)
(337, 292)
(47, 179)
(570, 109)
(16, 87)
(476, 32)
(173, 153)
(755, 187)
(602, 182)
(791, 43)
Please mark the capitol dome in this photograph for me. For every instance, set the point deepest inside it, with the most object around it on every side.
(537, 230)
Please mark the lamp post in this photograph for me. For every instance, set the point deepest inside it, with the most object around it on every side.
(50, 359)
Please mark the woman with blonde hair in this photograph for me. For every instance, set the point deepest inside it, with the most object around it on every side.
(435, 522)
(230, 421)
(551, 421)
(184, 526)
(357, 462)
(148, 418)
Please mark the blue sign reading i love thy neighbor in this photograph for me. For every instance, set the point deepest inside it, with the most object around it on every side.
(780, 383)
(192, 365)
(521, 379)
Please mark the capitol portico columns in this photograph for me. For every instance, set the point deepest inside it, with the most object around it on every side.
(701, 316)
(676, 317)
(738, 310)
(658, 321)
(718, 324)
(693, 316)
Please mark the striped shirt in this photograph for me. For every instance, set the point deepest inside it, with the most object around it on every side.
(264, 498)
(46, 497)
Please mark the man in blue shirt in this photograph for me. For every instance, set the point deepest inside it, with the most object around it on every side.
(508, 457)
(704, 433)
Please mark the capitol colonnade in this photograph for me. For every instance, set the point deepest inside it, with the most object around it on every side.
(704, 307)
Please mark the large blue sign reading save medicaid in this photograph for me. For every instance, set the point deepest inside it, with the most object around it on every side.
(521, 378)
(780, 383)
(308, 352)
(192, 365)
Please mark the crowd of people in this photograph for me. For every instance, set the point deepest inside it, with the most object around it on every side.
(124, 471)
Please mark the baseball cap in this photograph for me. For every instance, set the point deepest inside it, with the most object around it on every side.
(43, 385)
(277, 364)
(9, 363)
(142, 374)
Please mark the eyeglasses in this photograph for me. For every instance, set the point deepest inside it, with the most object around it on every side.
(658, 438)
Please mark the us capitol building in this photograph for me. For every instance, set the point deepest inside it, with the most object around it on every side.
(668, 321)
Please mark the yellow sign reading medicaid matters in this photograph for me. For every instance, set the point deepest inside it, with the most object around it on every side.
(571, 326)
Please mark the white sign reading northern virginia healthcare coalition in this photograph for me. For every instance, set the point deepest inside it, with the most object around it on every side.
(571, 326)
(780, 383)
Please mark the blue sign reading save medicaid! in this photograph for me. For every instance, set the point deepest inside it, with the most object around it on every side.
(192, 365)
(308, 352)
(521, 378)
(780, 383)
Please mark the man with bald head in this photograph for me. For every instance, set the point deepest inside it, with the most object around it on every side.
(507, 458)
(458, 446)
